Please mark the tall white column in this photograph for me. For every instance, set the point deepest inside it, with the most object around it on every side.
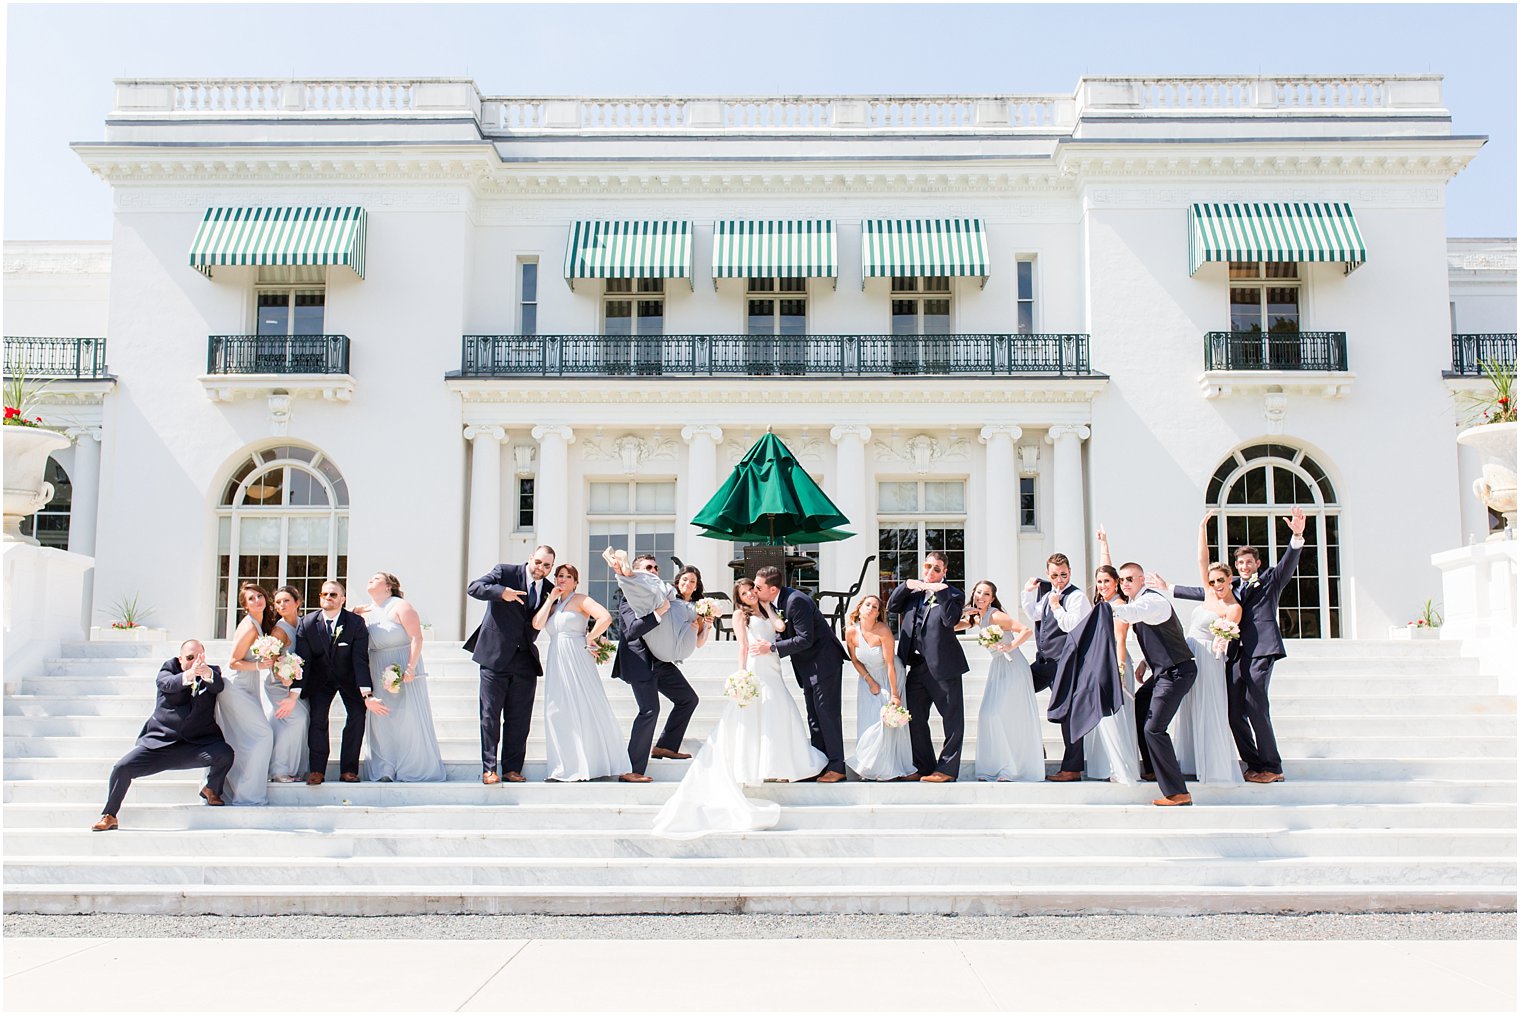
(1001, 512)
(551, 490)
(483, 549)
(853, 498)
(701, 482)
(86, 479)
(1069, 526)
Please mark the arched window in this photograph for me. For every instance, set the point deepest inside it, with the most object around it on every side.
(1254, 489)
(50, 526)
(282, 519)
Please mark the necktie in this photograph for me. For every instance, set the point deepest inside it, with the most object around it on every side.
(331, 629)
(533, 597)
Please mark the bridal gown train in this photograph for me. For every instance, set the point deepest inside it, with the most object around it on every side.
(1201, 731)
(765, 740)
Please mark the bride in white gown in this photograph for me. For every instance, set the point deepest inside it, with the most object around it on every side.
(1202, 735)
(764, 741)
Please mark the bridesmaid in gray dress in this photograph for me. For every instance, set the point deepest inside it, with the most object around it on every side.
(240, 707)
(403, 746)
(289, 714)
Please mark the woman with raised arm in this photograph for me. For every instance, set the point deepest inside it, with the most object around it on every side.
(1203, 723)
(581, 735)
(402, 744)
(1008, 730)
(240, 706)
(882, 752)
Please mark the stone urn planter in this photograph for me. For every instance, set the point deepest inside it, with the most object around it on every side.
(1496, 490)
(26, 456)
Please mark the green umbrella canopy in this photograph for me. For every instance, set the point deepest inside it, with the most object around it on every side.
(770, 497)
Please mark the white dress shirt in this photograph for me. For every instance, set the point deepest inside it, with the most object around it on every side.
(1067, 617)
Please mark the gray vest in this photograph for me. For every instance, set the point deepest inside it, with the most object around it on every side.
(1049, 639)
(1164, 644)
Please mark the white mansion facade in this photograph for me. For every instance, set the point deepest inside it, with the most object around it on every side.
(352, 326)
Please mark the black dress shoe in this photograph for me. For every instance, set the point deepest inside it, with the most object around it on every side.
(349, 777)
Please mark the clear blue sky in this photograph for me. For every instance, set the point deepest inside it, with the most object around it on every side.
(60, 60)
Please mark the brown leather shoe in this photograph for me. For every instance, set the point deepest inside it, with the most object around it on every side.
(1175, 800)
(938, 777)
(634, 777)
(913, 777)
(1264, 778)
(831, 777)
(490, 778)
(514, 777)
(315, 778)
(661, 752)
(211, 798)
(1064, 777)
(107, 823)
(349, 777)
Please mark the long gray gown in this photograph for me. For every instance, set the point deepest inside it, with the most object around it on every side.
(402, 746)
(287, 761)
(240, 714)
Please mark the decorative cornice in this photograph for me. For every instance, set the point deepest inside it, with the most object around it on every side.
(231, 387)
(1324, 383)
(921, 450)
(631, 450)
(876, 397)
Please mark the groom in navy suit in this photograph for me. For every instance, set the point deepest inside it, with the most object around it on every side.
(935, 662)
(817, 660)
(1261, 645)
(509, 666)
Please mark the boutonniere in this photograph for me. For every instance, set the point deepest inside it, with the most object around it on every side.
(337, 632)
(931, 602)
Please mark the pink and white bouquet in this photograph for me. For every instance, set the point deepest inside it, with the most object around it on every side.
(741, 688)
(893, 716)
(707, 609)
(287, 668)
(1224, 632)
(394, 678)
(266, 649)
(989, 637)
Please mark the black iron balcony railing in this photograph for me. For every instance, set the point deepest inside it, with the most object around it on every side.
(81, 358)
(1282, 350)
(1470, 352)
(277, 354)
(769, 356)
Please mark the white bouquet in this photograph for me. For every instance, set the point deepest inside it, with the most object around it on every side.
(266, 649)
(394, 678)
(989, 637)
(287, 668)
(1224, 632)
(893, 716)
(741, 688)
(707, 609)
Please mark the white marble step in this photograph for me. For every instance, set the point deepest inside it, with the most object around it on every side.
(806, 845)
(164, 803)
(1071, 898)
(737, 872)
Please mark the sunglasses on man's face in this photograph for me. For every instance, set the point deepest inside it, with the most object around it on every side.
(331, 595)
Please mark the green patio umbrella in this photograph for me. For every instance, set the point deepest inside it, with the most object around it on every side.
(768, 498)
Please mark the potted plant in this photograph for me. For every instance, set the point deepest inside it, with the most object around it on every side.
(128, 616)
(1491, 431)
(1427, 625)
(27, 444)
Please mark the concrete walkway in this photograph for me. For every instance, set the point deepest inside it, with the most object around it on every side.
(117, 974)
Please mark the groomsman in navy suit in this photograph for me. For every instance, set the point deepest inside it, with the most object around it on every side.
(1261, 645)
(935, 662)
(181, 733)
(509, 665)
(1050, 630)
(335, 644)
(817, 660)
(651, 677)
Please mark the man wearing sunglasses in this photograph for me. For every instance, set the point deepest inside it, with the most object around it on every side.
(181, 732)
(1261, 645)
(926, 644)
(335, 645)
(1170, 659)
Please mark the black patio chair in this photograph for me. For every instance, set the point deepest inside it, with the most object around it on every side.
(836, 612)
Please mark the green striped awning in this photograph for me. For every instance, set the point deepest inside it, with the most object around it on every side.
(802, 248)
(924, 247)
(280, 236)
(628, 250)
(1274, 232)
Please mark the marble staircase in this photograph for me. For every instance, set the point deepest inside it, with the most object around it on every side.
(1401, 796)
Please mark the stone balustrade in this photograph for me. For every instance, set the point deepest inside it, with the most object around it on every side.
(423, 97)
